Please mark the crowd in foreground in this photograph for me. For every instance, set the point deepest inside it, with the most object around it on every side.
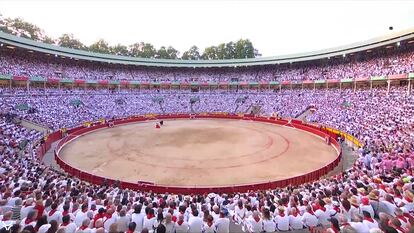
(375, 195)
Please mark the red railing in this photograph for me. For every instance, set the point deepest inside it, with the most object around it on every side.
(144, 186)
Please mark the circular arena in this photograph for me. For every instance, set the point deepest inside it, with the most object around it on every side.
(211, 152)
(199, 153)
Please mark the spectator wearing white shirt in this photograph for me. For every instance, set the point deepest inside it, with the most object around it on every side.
(309, 219)
(195, 222)
(138, 218)
(282, 220)
(69, 226)
(222, 224)
(254, 223)
(269, 224)
(181, 226)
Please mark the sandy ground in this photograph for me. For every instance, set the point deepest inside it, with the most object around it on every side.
(199, 152)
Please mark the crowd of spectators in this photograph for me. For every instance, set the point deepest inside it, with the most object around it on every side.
(375, 195)
(22, 63)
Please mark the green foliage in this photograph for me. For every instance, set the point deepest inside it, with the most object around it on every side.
(145, 50)
(119, 50)
(69, 41)
(239, 50)
(210, 53)
(48, 40)
(192, 54)
(100, 46)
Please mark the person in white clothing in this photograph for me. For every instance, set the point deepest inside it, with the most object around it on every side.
(295, 220)
(84, 228)
(109, 219)
(123, 221)
(268, 224)
(358, 225)
(150, 220)
(322, 214)
(181, 226)
(138, 218)
(282, 220)
(208, 226)
(254, 223)
(239, 212)
(309, 219)
(29, 220)
(366, 206)
(169, 224)
(195, 223)
(26, 208)
(80, 215)
(369, 221)
(222, 224)
(67, 225)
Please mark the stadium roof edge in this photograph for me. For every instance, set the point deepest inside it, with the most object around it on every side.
(307, 56)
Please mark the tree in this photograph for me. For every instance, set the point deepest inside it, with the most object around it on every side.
(230, 50)
(210, 53)
(101, 46)
(19, 27)
(172, 53)
(48, 40)
(145, 50)
(4, 22)
(162, 53)
(119, 50)
(192, 54)
(244, 49)
(69, 41)
(221, 51)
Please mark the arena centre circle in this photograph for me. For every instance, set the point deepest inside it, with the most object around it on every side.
(198, 152)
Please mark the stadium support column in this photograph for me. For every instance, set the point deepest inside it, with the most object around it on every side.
(119, 87)
(44, 84)
(28, 85)
(314, 85)
(389, 87)
(340, 86)
(280, 86)
(354, 86)
(409, 87)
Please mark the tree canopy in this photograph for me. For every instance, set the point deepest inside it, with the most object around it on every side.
(243, 48)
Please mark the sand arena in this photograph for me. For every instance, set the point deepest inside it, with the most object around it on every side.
(202, 152)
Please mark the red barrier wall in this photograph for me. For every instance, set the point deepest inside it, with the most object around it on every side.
(297, 180)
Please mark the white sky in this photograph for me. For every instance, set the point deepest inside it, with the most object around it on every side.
(274, 27)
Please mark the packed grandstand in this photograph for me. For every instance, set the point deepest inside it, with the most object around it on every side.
(369, 97)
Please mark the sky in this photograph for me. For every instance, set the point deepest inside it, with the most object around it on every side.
(274, 27)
